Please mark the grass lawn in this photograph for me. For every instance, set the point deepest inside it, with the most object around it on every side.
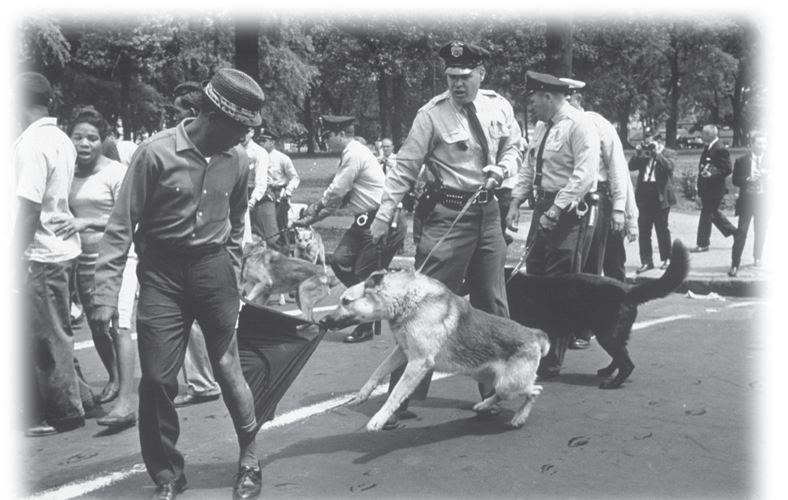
(317, 171)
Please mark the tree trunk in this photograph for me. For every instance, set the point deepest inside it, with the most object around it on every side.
(398, 95)
(558, 39)
(623, 113)
(247, 52)
(738, 105)
(124, 71)
(674, 92)
(310, 126)
(383, 103)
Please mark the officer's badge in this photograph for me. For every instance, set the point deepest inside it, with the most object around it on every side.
(456, 49)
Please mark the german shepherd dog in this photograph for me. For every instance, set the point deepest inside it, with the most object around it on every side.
(563, 304)
(435, 328)
(265, 272)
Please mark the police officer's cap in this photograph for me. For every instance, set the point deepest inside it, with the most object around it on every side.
(335, 124)
(574, 85)
(461, 58)
(535, 82)
(268, 134)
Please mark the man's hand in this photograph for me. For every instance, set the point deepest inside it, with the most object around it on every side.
(549, 219)
(252, 203)
(378, 230)
(67, 227)
(632, 236)
(513, 217)
(619, 219)
(104, 316)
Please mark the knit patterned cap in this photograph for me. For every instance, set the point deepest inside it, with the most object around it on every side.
(237, 95)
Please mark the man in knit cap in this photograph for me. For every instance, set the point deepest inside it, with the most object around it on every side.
(183, 204)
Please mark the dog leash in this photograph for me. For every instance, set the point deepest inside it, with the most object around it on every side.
(459, 216)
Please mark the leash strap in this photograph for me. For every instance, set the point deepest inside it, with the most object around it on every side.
(454, 222)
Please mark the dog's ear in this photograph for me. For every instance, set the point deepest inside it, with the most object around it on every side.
(375, 279)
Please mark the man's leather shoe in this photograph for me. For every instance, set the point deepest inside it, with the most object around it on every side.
(187, 399)
(665, 264)
(699, 249)
(733, 271)
(362, 333)
(644, 268)
(578, 344)
(168, 491)
(127, 420)
(490, 413)
(248, 483)
(38, 430)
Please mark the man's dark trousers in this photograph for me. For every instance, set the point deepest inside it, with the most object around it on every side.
(652, 215)
(175, 289)
(710, 214)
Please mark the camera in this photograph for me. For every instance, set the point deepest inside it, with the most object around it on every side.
(647, 149)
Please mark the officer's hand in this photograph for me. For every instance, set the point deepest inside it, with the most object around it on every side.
(252, 203)
(305, 222)
(102, 317)
(546, 223)
(618, 220)
(311, 210)
(513, 217)
(378, 230)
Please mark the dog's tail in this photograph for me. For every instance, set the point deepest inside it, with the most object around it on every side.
(673, 278)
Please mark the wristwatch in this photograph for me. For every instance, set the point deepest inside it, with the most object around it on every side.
(551, 214)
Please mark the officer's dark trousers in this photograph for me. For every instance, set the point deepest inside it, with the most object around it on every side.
(710, 214)
(597, 247)
(474, 251)
(558, 251)
(176, 289)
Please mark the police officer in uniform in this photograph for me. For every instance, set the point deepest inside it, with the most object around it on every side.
(468, 139)
(560, 170)
(359, 180)
(613, 183)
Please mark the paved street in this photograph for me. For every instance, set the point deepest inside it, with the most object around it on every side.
(681, 427)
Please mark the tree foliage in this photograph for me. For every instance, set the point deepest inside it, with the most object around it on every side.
(382, 69)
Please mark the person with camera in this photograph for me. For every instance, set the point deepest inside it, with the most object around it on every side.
(750, 175)
(560, 172)
(714, 167)
(654, 196)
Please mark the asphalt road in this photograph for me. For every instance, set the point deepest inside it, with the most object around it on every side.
(682, 426)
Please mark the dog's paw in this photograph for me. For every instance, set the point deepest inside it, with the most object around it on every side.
(516, 423)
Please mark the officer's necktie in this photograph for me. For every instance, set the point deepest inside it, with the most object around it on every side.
(539, 160)
(476, 127)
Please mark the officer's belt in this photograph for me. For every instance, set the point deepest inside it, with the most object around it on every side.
(455, 200)
(185, 252)
(540, 194)
(365, 219)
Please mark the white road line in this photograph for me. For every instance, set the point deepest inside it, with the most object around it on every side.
(85, 486)
(646, 324)
(80, 488)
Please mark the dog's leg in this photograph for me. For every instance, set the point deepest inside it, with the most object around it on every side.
(621, 360)
(487, 403)
(394, 360)
(414, 373)
(305, 302)
(521, 415)
(282, 299)
(608, 370)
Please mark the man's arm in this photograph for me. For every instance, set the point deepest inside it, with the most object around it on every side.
(238, 208)
(27, 219)
(292, 174)
(740, 172)
(261, 163)
(584, 140)
(721, 160)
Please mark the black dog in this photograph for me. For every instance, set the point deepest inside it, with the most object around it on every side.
(563, 304)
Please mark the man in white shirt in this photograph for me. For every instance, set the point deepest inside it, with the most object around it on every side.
(282, 181)
(44, 159)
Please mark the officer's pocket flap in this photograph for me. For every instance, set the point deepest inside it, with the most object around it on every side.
(455, 136)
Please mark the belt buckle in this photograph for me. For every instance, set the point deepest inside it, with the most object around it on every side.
(362, 219)
(483, 197)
